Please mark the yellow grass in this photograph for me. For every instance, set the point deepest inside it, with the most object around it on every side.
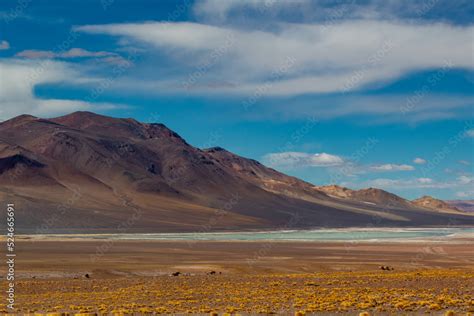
(444, 292)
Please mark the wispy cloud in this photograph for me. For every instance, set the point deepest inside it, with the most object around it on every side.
(71, 53)
(465, 194)
(301, 160)
(463, 182)
(391, 167)
(382, 108)
(419, 161)
(464, 162)
(17, 93)
(4, 45)
(326, 59)
(312, 11)
(407, 183)
(218, 10)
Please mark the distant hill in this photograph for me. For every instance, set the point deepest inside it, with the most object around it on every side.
(435, 204)
(369, 196)
(464, 205)
(85, 172)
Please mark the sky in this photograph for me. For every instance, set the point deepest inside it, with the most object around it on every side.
(374, 93)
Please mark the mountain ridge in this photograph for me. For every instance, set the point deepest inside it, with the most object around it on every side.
(176, 187)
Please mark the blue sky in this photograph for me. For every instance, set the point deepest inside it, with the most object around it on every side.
(359, 93)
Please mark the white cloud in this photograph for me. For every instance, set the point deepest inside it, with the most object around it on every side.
(419, 161)
(72, 53)
(416, 183)
(4, 45)
(348, 55)
(17, 93)
(425, 180)
(391, 167)
(470, 133)
(51, 107)
(464, 162)
(465, 194)
(466, 179)
(464, 183)
(300, 159)
(303, 159)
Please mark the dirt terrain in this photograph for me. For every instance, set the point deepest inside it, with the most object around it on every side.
(245, 277)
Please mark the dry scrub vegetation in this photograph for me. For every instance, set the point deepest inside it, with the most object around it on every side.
(435, 291)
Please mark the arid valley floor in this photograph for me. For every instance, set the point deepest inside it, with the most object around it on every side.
(90, 277)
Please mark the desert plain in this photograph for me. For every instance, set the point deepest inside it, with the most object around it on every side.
(125, 277)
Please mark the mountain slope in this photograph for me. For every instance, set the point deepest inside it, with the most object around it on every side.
(85, 172)
(369, 195)
(435, 204)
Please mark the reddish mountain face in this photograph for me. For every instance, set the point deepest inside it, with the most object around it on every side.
(85, 172)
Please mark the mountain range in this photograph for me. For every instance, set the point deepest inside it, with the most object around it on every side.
(85, 172)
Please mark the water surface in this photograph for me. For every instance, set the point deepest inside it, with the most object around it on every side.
(358, 234)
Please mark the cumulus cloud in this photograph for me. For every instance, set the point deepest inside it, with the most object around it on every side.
(17, 93)
(326, 59)
(419, 161)
(391, 167)
(300, 159)
(4, 45)
(470, 133)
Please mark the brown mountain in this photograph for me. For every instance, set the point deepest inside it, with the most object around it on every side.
(85, 172)
(368, 196)
(435, 204)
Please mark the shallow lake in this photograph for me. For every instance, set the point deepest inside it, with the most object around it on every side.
(360, 234)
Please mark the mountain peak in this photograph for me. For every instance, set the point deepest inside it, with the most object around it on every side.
(111, 126)
(20, 119)
(81, 117)
(336, 190)
(214, 149)
(425, 198)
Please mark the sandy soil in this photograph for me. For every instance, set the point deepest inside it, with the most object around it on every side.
(279, 277)
(101, 258)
